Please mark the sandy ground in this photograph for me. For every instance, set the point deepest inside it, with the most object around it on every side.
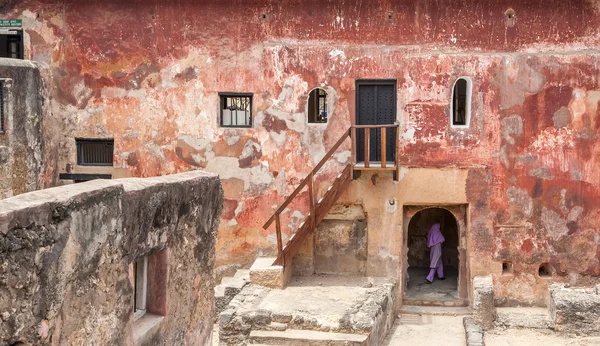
(426, 330)
(533, 337)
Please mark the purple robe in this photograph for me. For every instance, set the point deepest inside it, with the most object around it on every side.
(435, 235)
(434, 242)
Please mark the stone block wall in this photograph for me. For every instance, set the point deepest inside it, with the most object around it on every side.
(66, 254)
(21, 145)
(575, 310)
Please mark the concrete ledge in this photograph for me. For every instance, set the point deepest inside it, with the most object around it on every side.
(264, 273)
(307, 337)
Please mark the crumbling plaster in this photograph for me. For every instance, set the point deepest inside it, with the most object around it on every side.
(148, 73)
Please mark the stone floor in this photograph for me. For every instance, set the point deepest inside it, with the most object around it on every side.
(419, 289)
(533, 337)
(321, 302)
(427, 330)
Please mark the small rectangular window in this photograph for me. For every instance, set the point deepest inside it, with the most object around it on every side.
(236, 109)
(11, 43)
(95, 151)
(140, 287)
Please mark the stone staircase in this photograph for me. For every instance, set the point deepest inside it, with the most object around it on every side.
(229, 288)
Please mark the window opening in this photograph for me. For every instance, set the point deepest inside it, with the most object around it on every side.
(11, 44)
(545, 270)
(236, 110)
(317, 106)
(461, 102)
(140, 287)
(95, 151)
(148, 277)
(507, 268)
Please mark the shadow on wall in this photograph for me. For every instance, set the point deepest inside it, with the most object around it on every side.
(418, 253)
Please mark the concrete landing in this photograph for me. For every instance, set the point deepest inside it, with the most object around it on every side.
(532, 337)
(426, 330)
(435, 310)
(359, 306)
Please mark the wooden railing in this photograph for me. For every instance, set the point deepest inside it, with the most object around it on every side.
(307, 182)
(366, 164)
(318, 209)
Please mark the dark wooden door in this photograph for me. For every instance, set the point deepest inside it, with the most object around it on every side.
(376, 105)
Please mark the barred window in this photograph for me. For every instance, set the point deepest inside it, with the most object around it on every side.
(236, 109)
(317, 106)
(95, 151)
(11, 43)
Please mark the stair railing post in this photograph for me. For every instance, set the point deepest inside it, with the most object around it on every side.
(383, 146)
(367, 146)
(353, 150)
(397, 175)
(279, 241)
(311, 198)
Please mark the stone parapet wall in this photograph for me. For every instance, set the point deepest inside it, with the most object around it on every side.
(575, 310)
(22, 158)
(66, 257)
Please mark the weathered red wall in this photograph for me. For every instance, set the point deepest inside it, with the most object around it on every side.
(148, 74)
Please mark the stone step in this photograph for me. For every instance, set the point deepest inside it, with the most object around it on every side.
(532, 317)
(219, 291)
(435, 310)
(234, 282)
(441, 303)
(296, 337)
(242, 274)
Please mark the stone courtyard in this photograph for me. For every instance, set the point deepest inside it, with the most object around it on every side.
(291, 172)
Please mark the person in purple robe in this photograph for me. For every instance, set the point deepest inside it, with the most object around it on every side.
(434, 243)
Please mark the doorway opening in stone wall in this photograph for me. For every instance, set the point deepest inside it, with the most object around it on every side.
(444, 288)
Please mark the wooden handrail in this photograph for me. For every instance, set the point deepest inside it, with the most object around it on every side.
(309, 176)
(373, 126)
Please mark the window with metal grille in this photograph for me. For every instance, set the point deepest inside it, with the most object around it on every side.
(460, 105)
(95, 151)
(11, 43)
(317, 106)
(2, 109)
(236, 109)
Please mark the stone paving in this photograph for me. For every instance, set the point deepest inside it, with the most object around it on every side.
(419, 289)
(326, 303)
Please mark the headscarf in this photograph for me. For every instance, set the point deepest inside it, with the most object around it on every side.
(435, 235)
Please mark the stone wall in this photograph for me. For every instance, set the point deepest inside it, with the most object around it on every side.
(66, 256)
(149, 73)
(575, 310)
(25, 103)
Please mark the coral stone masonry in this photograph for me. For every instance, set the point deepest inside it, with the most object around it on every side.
(66, 255)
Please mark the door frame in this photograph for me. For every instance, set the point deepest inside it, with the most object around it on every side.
(385, 81)
(460, 213)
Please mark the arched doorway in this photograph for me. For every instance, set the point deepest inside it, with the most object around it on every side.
(417, 289)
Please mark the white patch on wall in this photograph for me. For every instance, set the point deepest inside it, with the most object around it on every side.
(337, 53)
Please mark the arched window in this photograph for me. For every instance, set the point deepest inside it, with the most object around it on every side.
(460, 105)
(317, 106)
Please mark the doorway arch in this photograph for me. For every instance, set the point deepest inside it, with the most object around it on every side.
(418, 220)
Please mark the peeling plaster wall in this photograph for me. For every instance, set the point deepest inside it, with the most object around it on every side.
(148, 73)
